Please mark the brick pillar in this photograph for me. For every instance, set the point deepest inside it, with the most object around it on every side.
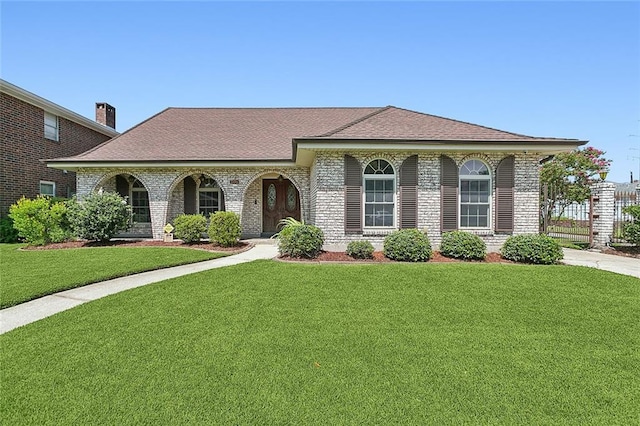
(603, 208)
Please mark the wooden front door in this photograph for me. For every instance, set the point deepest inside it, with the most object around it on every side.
(280, 199)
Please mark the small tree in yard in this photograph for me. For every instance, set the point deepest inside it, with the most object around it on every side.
(568, 177)
(631, 230)
(99, 216)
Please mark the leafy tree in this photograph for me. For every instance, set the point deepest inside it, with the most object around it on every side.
(568, 177)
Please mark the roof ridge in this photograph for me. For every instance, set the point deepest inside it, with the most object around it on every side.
(353, 123)
(274, 108)
(469, 123)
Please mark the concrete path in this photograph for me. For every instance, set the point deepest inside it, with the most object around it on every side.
(608, 262)
(26, 313)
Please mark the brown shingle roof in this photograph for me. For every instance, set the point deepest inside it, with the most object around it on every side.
(183, 134)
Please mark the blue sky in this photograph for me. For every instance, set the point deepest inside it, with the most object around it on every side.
(561, 69)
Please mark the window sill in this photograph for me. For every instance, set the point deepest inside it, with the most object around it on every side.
(484, 232)
(377, 231)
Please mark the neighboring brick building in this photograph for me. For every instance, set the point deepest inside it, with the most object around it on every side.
(357, 173)
(35, 129)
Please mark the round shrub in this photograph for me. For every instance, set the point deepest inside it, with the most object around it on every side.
(300, 240)
(224, 228)
(40, 221)
(360, 249)
(540, 249)
(99, 216)
(463, 245)
(189, 227)
(631, 230)
(407, 245)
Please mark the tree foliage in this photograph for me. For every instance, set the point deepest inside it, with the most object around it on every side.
(568, 177)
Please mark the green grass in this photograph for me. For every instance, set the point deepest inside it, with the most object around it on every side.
(275, 343)
(28, 274)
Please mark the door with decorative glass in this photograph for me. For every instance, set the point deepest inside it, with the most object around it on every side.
(280, 199)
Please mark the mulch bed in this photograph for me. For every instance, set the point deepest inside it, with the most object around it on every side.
(203, 245)
(627, 251)
(378, 257)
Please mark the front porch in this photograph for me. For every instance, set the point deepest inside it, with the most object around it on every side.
(261, 197)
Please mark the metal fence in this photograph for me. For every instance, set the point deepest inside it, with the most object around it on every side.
(573, 222)
(567, 221)
(622, 200)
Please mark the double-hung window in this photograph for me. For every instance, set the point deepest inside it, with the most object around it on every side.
(379, 194)
(208, 197)
(48, 188)
(140, 203)
(51, 130)
(475, 195)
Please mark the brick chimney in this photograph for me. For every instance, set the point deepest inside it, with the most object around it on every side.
(106, 114)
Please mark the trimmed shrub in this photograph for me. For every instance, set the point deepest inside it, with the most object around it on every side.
(631, 230)
(99, 216)
(40, 221)
(360, 249)
(189, 227)
(463, 245)
(299, 240)
(8, 234)
(407, 245)
(224, 228)
(534, 248)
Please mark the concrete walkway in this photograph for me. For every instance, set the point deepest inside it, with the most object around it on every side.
(607, 262)
(34, 310)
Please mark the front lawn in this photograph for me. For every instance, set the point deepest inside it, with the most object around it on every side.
(28, 274)
(279, 343)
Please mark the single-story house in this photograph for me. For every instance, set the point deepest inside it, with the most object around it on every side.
(357, 173)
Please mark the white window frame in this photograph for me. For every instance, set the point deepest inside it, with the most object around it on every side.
(489, 202)
(54, 129)
(133, 189)
(47, 182)
(215, 188)
(366, 177)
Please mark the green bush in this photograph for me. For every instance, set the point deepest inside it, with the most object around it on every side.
(190, 227)
(463, 245)
(407, 245)
(40, 221)
(540, 249)
(99, 216)
(224, 228)
(8, 234)
(296, 239)
(631, 230)
(360, 249)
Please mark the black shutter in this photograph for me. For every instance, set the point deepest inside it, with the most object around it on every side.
(448, 194)
(505, 177)
(190, 196)
(352, 195)
(409, 193)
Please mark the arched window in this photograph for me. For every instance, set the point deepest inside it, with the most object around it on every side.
(475, 195)
(208, 196)
(379, 194)
(140, 202)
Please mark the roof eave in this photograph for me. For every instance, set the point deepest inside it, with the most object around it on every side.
(33, 99)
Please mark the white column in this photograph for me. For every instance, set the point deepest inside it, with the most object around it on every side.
(603, 208)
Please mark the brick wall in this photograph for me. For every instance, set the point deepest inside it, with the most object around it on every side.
(24, 145)
(329, 195)
(322, 200)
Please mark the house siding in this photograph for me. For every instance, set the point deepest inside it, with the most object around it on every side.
(24, 145)
(321, 189)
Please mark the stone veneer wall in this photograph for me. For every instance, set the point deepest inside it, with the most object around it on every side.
(329, 194)
(321, 191)
(241, 187)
